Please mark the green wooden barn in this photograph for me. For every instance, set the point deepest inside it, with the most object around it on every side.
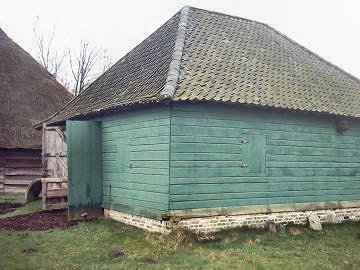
(215, 121)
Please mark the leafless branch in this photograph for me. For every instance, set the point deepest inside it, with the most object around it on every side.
(47, 54)
(82, 65)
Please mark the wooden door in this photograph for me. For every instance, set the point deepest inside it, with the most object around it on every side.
(54, 152)
(85, 168)
(55, 174)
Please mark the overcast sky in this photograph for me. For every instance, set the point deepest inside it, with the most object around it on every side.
(329, 28)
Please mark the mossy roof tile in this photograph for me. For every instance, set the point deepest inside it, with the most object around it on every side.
(213, 56)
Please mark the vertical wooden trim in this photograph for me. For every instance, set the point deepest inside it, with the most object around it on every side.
(170, 121)
(2, 170)
(43, 149)
(44, 193)
(85, 167)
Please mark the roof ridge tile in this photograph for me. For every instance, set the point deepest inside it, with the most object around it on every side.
(174, 67)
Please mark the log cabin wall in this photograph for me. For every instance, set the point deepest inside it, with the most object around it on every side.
(18, 168)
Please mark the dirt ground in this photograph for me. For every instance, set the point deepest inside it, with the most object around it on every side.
(8, 207)
(38, 221)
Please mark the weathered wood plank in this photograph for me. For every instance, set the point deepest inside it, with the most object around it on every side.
(118, 184)
(303, 158)
(314, 151)
(148, 196)
(206, 164)
(238, 171)
(16, 182)
(139, 115)
(85, 165)
(23, 171)
(205, 147)
(310, 172)
(226, 112)
(134, 202)
(208, 156)
(259, 201)
(241, 188)
(136, 161)
(54, 180)
(55, 206)
(308, 158)
(314, 164)
(137, 178)
(155, 131)
(273, 196)
(23, 163)
(132, 207)
(154, 124)
(15, 189)
(56, 193)
(252, 124)
(267, 208)
(257, 179)
(18, 168)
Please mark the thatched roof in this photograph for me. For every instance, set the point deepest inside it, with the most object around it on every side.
(28, 94)
(200, 55)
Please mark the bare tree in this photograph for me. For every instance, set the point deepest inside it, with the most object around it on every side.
(83, 65)
(107, 61)
(47, 54)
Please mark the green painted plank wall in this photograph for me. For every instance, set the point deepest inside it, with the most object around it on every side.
(135, 156)
(84, 166)
(224, 156)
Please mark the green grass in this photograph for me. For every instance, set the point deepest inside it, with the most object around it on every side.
(31, 207)
(91, 246)
(12, 197)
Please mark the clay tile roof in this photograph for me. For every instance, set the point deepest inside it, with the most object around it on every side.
(28, 94)
(202, 55)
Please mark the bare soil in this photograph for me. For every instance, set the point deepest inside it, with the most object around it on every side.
(38, 221)
(8, 207)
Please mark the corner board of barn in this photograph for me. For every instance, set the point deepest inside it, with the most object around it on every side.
(195, 163)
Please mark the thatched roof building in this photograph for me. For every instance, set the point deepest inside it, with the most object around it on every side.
(28, 94)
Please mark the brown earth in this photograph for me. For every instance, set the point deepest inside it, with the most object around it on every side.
(8, 207)
(38, 221)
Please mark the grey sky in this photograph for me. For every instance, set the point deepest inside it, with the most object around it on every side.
(328, 28)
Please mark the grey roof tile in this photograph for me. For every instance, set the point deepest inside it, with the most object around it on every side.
(224, 59)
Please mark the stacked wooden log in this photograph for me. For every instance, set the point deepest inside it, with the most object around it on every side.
(18, 168)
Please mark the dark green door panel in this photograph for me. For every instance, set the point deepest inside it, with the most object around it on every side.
(254, 156)
(85, 168)
(123, 155)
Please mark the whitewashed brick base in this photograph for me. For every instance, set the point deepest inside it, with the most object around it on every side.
(147, 224)
(216, 223)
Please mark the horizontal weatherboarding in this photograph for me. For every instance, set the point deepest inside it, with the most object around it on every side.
(215, 115)
(227, 156)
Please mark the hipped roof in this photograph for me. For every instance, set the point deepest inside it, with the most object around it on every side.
(199, 55)
(28, 94)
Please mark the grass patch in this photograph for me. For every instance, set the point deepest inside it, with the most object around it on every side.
(31, 207)
(12, 197)
(106, 244)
